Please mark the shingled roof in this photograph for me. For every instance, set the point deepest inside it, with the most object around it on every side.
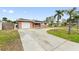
(25, 20)
(22, 19)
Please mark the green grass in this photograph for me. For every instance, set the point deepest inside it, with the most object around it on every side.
(10, 40)
(74, 36)
(8, 36)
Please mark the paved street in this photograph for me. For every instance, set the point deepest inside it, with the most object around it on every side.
(40, 40)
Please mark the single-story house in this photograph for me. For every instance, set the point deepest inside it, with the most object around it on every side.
(27, 23)
(0, 25)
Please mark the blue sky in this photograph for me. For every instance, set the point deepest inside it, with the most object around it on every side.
(38, 13)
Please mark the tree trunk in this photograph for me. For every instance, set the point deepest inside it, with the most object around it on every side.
(57, 23)
(77, 26)
(69, 28)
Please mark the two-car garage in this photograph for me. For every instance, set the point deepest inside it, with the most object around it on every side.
(23, 25)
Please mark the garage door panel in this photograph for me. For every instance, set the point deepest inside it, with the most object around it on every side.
(25, 25)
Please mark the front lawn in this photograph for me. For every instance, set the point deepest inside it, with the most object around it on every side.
(10, 40)
(74, 36)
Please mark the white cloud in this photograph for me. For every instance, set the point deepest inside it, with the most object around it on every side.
(4, 10)
(8, 11)
(11, 11)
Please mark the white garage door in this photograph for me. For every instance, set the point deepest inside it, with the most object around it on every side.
(25, 25)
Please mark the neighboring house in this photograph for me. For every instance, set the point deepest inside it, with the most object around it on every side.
(0, 25)
(27, 23)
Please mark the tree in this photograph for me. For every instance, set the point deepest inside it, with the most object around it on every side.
(50, 20)
(4, 19)
(59, 14)
(64, 22)
(71, 14)
(77, 21)
(15, 22)
(9, 21)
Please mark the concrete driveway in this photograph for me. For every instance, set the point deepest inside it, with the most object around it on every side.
(40, 40)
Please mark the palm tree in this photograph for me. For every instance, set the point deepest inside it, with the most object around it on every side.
(58, 14)
(71, 13)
